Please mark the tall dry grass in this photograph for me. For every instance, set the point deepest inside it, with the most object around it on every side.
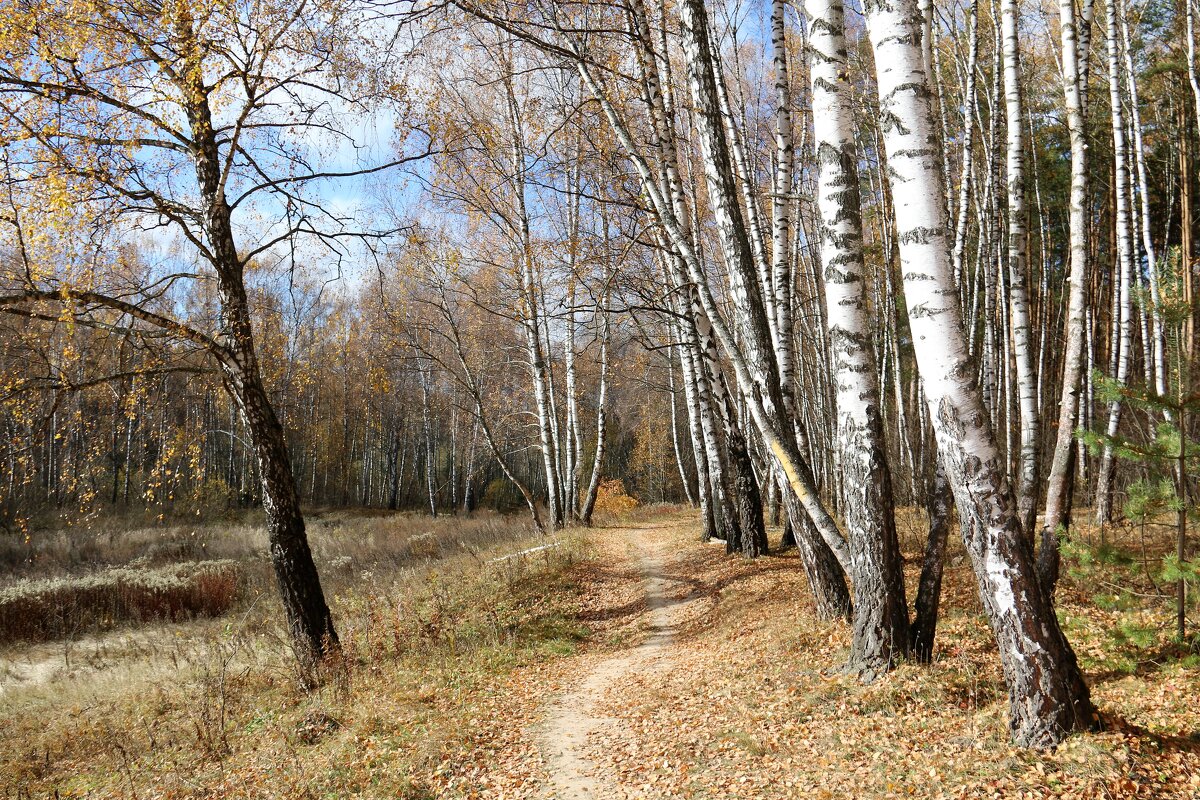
(35, 610)
(430, 612)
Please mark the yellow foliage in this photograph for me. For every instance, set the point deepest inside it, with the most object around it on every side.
(612, 498)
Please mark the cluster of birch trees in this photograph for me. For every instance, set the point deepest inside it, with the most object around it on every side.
(802, 263)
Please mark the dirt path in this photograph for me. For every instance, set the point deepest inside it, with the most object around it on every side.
(578, 712)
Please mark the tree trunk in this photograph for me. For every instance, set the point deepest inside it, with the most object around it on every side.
(880, 624)
(308, 617)
(1062, 473)
(1018, 300)
(1047, 696)
(929, 588)
(589, 500)
(1123, 280)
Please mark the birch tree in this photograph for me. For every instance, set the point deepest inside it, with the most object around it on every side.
(880, 610)
(171, 118)
(1047, 695)
(1062, 466)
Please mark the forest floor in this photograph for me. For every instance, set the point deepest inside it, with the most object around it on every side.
(632, 661)
(723, 684)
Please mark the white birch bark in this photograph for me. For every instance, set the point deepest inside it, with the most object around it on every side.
(674, 393)
(880, 624)
(1157, 338)
(967, 167)
(781, 274)
(1193, 80)
(1047, 695)
(1058, 509)
(831, 599)
(589, 498)
(1018, 293)
(427, 429)
(1123, 285)
(531, 318)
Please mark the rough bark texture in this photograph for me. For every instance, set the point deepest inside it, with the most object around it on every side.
(1047, 696)
(880, 624)
(308, 617)
(929, 589)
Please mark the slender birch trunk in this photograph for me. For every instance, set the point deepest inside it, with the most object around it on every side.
(1157, 335)
(781, 274)
(1047, 696)
(1018, 294)
(1062, 471)
(880, 624)
(589, 500)
(674, 393)
(427, 427)
(471, 383)
(704, 489)
(531, 319)
(966, 170)
(1123, 285)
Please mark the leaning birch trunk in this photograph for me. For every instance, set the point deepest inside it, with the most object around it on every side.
(308, 619)
(1123, 286)
(1047, 696)
(589, 501)
(1062, 473)
(704, 490)
(880, 623)
(763, 374)
(472, 384)
(1018, 294)
(829, 551)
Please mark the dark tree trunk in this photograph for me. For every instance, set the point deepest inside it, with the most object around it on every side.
(753, 533)
(788, 539)
(929, 590)
(825, 575)
(1048, 556)
(308, 617)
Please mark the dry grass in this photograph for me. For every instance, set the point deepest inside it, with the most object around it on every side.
(432, 614)
(56, 607)
(452, 651)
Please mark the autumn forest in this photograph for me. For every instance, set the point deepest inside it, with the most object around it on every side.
(562, 400)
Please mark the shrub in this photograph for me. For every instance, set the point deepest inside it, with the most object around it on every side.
(46, 609)
(611, 498)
